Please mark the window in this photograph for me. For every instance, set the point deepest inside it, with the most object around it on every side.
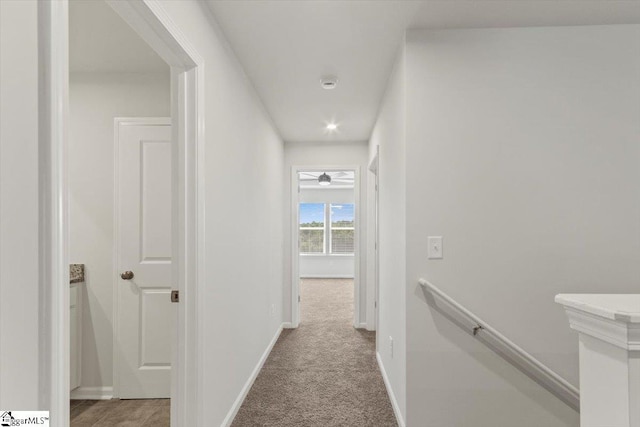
(317, 238)
(312, 230)
(342, 228)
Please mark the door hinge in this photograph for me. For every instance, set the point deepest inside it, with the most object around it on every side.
(298, 298)
(175, 296)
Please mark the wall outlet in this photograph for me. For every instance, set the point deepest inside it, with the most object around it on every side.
(391, 346)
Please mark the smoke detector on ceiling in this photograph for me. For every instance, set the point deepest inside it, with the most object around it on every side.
(329, 82)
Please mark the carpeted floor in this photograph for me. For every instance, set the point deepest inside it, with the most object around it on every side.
(324, 373)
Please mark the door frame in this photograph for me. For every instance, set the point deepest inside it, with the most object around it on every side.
(373, 217)
(295, 252)
(149, 19)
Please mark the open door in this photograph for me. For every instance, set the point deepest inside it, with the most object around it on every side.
(144, 312)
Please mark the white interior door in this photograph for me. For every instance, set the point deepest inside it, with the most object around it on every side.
(144, 312)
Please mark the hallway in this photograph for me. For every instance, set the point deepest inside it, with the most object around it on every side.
(324, 373)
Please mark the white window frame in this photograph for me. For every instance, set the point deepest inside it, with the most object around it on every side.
(324, 232)
(330, 228)
(327, 243)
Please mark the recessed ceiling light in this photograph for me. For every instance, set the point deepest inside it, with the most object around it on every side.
(329, 82)
(332, 126)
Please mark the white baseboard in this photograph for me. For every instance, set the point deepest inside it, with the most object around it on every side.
(92, 393)
(247, 386)
(362, 325)
(326, 276)
(392, 397)
(287, 325)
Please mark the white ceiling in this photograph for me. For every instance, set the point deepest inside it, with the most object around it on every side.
(286, 46)
(100, 41)
(524, 13)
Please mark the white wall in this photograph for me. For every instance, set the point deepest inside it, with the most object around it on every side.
(325, 154)
(95, 99)
(243, 217)
(389, 136)
(19, 299)
(326, 265)
(522, 151)
(239, 138)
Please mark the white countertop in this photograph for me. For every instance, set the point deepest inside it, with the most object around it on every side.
(620, 307)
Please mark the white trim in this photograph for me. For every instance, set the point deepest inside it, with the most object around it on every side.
(295, 249)
(311, 254)
(327, 276)
(624, 335)
(506, 348)
(287, 325)
(149, 19)
(247, 386)
(392, 396)
(118, 123)
(373, 294)
(295, 255)
(604, 305)
(92, 393)
(357, 249)
(53, 110)
(362, 325)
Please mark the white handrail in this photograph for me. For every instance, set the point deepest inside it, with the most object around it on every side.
(510, 351)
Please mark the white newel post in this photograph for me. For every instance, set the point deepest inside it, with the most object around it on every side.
(609, 345)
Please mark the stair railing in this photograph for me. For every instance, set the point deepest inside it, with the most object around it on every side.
(506, 348)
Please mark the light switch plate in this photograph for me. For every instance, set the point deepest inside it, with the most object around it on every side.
(435, 247)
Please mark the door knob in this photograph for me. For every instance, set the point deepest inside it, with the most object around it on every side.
(127, 275)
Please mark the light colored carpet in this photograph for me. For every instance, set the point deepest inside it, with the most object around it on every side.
(322, 374)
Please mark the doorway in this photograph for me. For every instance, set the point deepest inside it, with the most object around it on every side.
(119, 180)
(325, 234)
(147, 20)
